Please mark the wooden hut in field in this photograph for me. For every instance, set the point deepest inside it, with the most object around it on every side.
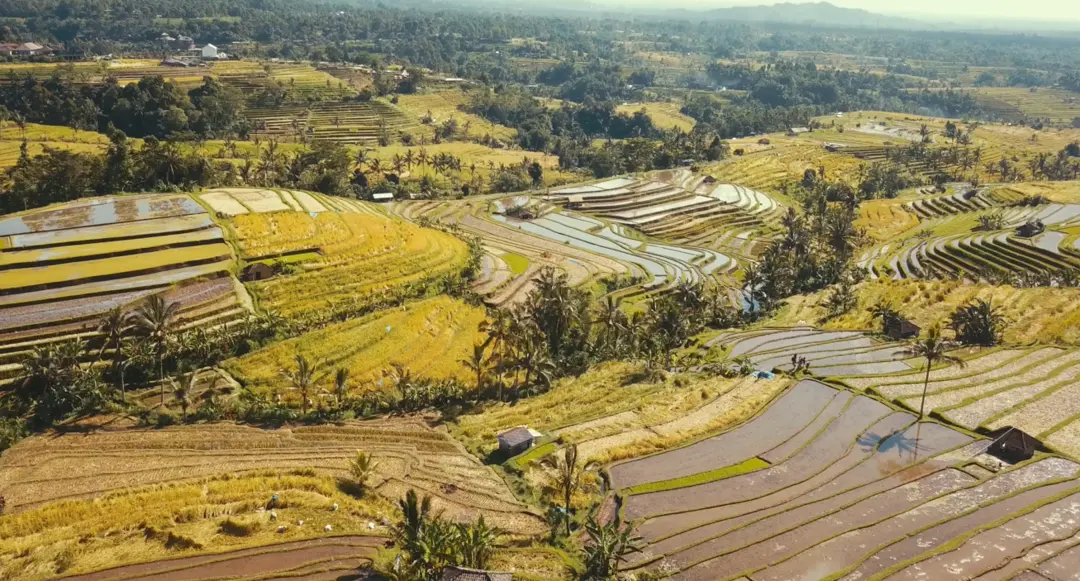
(256, 271)
(901, 328)
(515, 441)
(1012, 445)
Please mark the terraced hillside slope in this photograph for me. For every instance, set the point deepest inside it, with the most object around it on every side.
(827, 484)
(341, 249)
(185, 504)
(65, 265)
(430, 338)
(1044, 315)
(512, 257)
(680, 207)
(971, 234)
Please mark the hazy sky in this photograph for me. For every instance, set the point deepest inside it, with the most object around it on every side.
(1042, 10)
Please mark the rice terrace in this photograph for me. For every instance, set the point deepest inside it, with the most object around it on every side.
(321, 291)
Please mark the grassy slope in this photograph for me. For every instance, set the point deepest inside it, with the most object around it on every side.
(1044, 315)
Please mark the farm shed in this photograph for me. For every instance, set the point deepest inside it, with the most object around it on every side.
(515, 441)
(209, 52)
(256, 271)
(463, 574)
(901, 328)
(1031, 228)
(383, 197)
(1012, 445)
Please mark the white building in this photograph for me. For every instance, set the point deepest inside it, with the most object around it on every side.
(209, 52)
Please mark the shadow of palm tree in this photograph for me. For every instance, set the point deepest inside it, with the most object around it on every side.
(898, 441)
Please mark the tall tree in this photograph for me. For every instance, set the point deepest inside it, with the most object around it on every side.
(933, 348)
(156, 320)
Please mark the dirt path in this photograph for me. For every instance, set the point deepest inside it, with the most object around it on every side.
(326, 558)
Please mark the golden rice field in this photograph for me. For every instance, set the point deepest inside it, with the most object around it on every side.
(1060, 192)
(82, 502)
(885, 219)
(1043, 315)
(612, 412)
(39, 137)
(766, 168)
(377, 253)
(178, 519)
(444, 105)
(428, 337)
(663, 115)
(268, 234)
(1054, 104)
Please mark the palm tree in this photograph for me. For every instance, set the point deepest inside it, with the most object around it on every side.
(113, 326)
(375, 166)
(477, 364)
(979, 322)
(183, 388)
(886, 312)
(422, 157)
(933, 348)
(415, 514)
(409, 159)
(361, 468)
(155, 319)
(568, 479)
(133, 351)
(341, 385)
(303, 379)
(361, 159)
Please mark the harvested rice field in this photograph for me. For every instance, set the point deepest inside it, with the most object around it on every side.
(201, 490)
(428, 337)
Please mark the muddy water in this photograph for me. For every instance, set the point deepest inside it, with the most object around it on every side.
(848, 549)
(863, 513)
(832, 445)
(807, 434)
(927, 540)
(856, 475)
(994, 548)
(782, 420)
(1064, 567)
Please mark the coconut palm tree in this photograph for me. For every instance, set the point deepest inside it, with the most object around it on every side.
(568, 478)
(156, 320)
(979, 322)
(113, 326)
(886, 312)
(933, 348)
(409, 159)
(477, 363)
(303, 379)
(361, 468)
(341, 385)
(183, 388)
(415, 514)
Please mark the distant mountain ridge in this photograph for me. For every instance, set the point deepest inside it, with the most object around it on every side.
(815, 12)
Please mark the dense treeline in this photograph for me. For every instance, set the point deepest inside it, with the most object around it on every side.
(790, 84)
(151, 107)
(569, 131)
(461, 39)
